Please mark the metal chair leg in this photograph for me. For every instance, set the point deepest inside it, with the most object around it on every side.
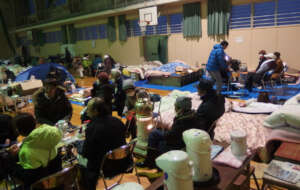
(255, 180)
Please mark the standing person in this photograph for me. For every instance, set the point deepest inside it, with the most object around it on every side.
(86, 63)
(216, 63)
(68, 58)
(103, 133)
(51, 104)
(109, 63)
(119, 93)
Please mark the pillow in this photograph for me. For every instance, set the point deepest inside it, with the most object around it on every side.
(288, 115)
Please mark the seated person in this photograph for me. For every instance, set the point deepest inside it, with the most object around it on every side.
(109, 63)
(103, 133)
(279, 67)
(8, 75)
(129, 110)
(37, 156)
(103, 89)
(8, 134)
(262, 58)
(268, 65)
(212, 106)
(160, 141)
(51, 103)
(119, 93)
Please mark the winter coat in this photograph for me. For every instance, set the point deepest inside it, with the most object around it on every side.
(50, 111)
(211, 108)
(216, 60)
(188, 120)
(39, 147)
(102, 135)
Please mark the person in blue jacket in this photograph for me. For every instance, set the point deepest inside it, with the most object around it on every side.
(216, 62)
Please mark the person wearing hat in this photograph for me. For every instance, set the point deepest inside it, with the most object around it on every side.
(212, 106)
(262, 58)
(216, 64)
(51, 104)
(119, 93)
(268, 65)
(161, 141)
(129, 109)
(109, 63)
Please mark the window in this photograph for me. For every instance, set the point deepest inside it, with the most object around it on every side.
(264, 14)
(288, 12)
(135, 28)
(149, 30)
(162, 27)
(31, 7)
(79, 34)
(176, 23)
(53, 37)
(240, 16)
(102, 31)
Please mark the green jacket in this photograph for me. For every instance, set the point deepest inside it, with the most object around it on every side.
(39, 147)
(86, 63)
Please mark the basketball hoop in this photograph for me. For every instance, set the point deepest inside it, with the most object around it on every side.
(143, 25)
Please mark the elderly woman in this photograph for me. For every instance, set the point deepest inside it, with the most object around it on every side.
(109, 63)
(103, 133)
(160, 141)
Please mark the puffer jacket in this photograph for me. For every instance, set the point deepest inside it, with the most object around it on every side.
(39, 147)
(216, 59)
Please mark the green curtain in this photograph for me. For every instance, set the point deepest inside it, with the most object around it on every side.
(111, 29)
(122, 28)
(72, 34)
(218, 14)
(156, 48)
(64, 38)
(192, 20)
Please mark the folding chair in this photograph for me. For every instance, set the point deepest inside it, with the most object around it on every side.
(113, 160)
(211, 129)
(65, 179)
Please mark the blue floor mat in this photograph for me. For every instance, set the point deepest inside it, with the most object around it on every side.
(280, 92)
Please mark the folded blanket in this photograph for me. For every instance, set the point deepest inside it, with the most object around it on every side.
(227, 158)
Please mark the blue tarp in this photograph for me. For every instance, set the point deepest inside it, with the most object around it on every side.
(41, 71)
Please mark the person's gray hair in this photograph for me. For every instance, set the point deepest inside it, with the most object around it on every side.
(183, 103)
